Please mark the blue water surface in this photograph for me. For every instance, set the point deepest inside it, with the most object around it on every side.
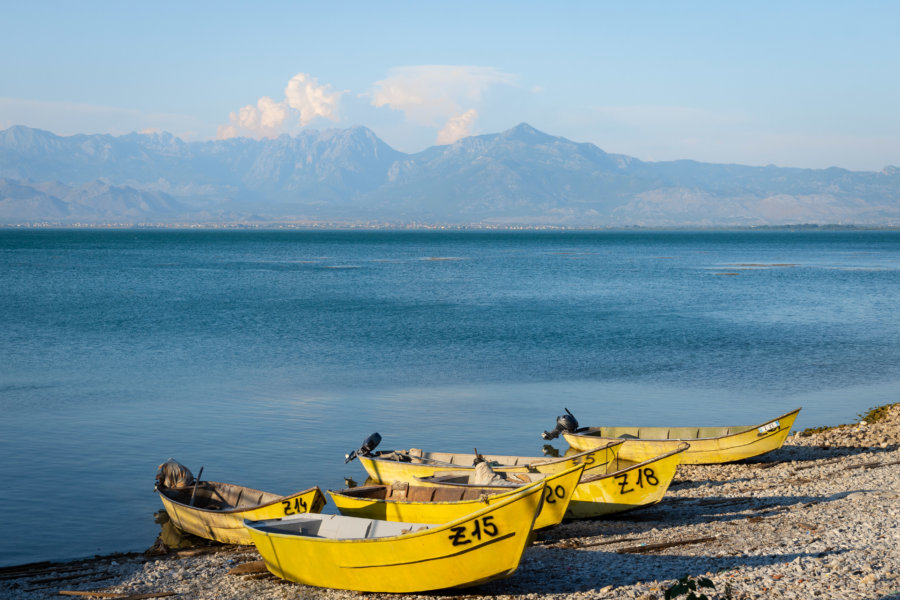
(264, 356)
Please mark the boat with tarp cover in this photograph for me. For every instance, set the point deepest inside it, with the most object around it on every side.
(216, 511)
(619, 486)
(388, 466)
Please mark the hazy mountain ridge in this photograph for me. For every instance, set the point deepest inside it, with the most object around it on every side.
(25, 201)
(521, 175)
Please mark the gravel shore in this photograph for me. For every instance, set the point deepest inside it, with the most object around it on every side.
(819, 518)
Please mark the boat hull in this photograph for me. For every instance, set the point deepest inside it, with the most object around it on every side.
(708, 445)
(484, 545)
(627, 488)
(227, 526)
(437, 507)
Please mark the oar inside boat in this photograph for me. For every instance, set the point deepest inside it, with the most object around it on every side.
(196, 483)
(566, 422)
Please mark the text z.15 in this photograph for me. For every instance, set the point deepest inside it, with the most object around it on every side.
(483, 527)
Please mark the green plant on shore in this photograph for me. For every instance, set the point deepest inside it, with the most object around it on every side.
(879, 413)
(876, 414)
(690, 588)
(814, 430)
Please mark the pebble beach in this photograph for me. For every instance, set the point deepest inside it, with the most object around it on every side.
(819, 518)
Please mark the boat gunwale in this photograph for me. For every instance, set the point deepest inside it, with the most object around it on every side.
(162, 492)
(539, 460)
(501, 489)
(593, 432)
(682, 447)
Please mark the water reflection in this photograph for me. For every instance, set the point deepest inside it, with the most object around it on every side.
(172, 538)
(549, 450)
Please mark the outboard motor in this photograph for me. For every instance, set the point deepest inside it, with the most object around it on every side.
(566, 422)
(368, 445)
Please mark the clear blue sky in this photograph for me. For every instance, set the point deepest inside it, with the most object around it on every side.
(797, 84)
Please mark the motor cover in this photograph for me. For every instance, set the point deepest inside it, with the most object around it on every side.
(566, 422)
(369, 444)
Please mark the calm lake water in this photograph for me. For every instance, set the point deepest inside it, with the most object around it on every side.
(265, 356)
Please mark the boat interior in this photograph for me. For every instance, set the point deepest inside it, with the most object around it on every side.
(664, 433)
(211, 495)
(336, 527)
(415, 455)
(405, 492)
(449, 459)
(609, 469)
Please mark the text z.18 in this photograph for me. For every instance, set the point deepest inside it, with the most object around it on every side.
(645, 477)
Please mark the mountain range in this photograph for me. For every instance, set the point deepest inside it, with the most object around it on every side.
(519, 177)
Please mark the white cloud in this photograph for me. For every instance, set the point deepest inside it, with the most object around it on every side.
(304, 94)
(432, 100)
(304, 100)
(457, 127)
(430, 95)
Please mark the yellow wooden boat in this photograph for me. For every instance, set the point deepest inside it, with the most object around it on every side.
(370, 555)
(708, 445)
(625, 486)
(402, 501)
(216, 511)
(405, 465)
(619, 486)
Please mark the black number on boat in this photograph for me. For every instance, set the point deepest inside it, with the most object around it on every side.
(548, 496)
(623, 483)
(588, 460)
(484, 526)
(299, 506)
(645, 475)
(551, 494)
(476, 530)
(458, 537)
(489, 527)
